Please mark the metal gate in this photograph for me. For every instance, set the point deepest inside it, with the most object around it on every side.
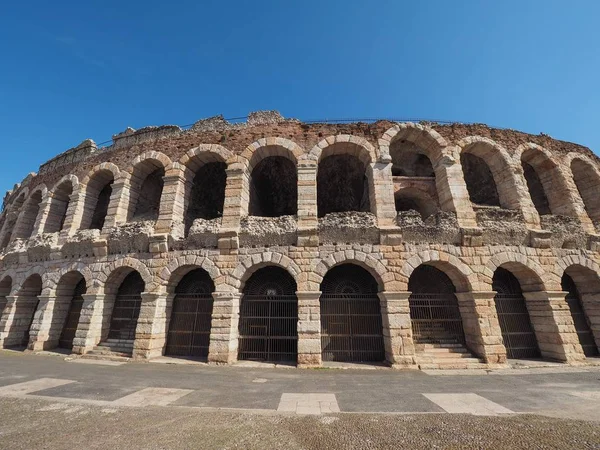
(515, 324)
(580, 320)
(127, 308)
(189, 328)
(72, 321)
(268, 327)
(351, 325)
(434, 312)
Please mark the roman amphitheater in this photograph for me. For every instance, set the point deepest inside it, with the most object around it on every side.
(412, 245)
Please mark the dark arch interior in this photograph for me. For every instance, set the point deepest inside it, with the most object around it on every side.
(270, 281)
(408, 160)
(208, 193)
(148, 202)
(587, 183)
(427, 279)
(349, 279)
(58, 208)
(32, 208)
(101, 208)
(536, 190)
(127, 308)
(268, 327)
(191, 315)
(197, 281)
(342, 185)
(580, 318)
(73, 315)
(515, 324)
(274, 188)
(480, 181)
(407, 201)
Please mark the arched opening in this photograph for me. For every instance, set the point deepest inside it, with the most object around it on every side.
(409, 160)
(274, 188)
(583, 287)
(434, 312)
(126, 309)
(5, 289)
(146, 190)
(25, 307)
(207, 191)
(191, 314)
(479, 180)
(28, 217)
(536, 190)
(351, 323)
(59, 203)
(515, 324)
(342, 185)
(415, 200)
(97, 200)
(11, 220)
(587, 182)
(268, 327)
(67, 309)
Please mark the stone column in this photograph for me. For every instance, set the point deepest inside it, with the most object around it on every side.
(91, 319)
(172, 203)
(224, 333)
(553, 325)
(16, 320)
(237, 197)
(151, 329)
(382, 199)
(481, 327)
(397, 329)
(118, 206)
(42, 335)
(43, 214)
(309, 329)
(452, 191)
(308, 222)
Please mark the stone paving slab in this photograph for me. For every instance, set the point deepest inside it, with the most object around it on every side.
(29, 387)
(467, 403)
(313, 404)
(152, 396)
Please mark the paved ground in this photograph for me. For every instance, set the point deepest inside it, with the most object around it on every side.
(149, 405)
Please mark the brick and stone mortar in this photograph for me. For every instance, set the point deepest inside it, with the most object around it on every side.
(468, 241)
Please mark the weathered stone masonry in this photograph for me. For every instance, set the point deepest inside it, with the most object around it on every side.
(502, 219)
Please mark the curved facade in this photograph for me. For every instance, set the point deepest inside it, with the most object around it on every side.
(283, 241)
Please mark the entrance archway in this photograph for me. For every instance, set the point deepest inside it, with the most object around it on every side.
(515, 324)
(434, 311)
(126, 309)
(351, 324)
(72, 319)
(190, 324)
(268, 327)
(580, 319)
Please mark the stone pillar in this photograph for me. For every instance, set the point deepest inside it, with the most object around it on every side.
(172, 203)
(452, 191)
(397, 329)
(553, 325)
(118, 206)
(42, 333)
(16, 320)
(237, 198)
(91, 320)
(151, 330)
(224, 333)
(43, 213)
(71, 225)
(481, 327)
(309, 329)
(382, 199)
(308, 234)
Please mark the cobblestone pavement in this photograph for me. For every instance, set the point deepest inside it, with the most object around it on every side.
(42, 424)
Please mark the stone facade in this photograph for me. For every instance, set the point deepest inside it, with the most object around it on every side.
(76, 220)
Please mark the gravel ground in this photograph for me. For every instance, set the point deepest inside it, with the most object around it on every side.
(38, 424)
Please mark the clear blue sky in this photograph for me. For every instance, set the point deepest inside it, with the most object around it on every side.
(88, 69)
